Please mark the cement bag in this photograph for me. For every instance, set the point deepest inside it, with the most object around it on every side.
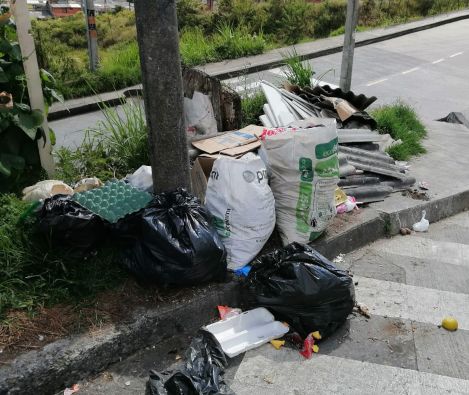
(305, 171)
(240, 200)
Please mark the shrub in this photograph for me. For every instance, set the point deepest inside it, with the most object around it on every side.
(195, 48)
(328, 16)
(192, 15)
(296, 22)
(233, 43)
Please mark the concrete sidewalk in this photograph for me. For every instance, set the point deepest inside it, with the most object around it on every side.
(241, 66)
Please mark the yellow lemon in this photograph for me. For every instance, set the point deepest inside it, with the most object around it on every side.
(449, 323)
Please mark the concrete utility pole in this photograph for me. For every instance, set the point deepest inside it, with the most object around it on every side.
(158, 41)
(33, 79)
(349, 45)
(91, 33)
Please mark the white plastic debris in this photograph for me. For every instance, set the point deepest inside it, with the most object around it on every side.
(45, 189)
(69, 391)
(339, 258)
(142, 178)
(199, 116)
(422, 225)
(86, 184)
(246, 331)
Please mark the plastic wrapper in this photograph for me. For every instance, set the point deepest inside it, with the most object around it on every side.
(300, 286)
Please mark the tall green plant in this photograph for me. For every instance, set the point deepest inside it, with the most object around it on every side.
(115, 147)
(20, 126)
(296, 71)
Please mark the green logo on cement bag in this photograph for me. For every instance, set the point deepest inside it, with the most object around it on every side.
(328, 168)
(306, 169)
(221, 226)
(303, 206)
(327, 149)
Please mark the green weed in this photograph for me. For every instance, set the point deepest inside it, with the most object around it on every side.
(117, 146)
(297, 72)
(32, 275)
(402, 122)
(251, 107)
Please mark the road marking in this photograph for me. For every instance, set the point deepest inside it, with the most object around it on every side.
(376, 82)
(387, 298)
(423, 248)
(277, 71)
(456, 54)
(438, 61)
(247, 87)
(266, 371)
(410, 70)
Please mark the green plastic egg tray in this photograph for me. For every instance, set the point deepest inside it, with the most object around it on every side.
(113, 201)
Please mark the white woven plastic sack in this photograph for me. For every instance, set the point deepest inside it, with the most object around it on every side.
(241, 201)
(304, 168)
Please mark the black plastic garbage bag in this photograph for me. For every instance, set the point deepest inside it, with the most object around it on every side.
(70, 226)
(300, 286)
(172, 242)
(201, 374)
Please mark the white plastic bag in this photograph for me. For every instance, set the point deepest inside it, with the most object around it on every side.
(305, 171)
(142, 178)
(422, 225)
(241, 201)
(199, 116)
(45, 189)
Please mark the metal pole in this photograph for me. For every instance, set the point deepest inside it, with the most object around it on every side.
(33, 79)
(92, 33)
(158, 41)
(349, 45)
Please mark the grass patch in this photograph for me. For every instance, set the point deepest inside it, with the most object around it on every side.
(32, 275)
(402, 122)
(251, 107)
(341, 30)
(116, 147)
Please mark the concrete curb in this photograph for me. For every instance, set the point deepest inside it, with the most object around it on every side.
(95, 102)
(66, 361)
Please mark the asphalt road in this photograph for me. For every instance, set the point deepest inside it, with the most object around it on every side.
(427, 69)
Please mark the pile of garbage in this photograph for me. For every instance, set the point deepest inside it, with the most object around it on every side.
(366, 172)
(167, 239)
(297, 298)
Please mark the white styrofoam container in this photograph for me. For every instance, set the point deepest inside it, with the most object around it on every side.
(246, 331)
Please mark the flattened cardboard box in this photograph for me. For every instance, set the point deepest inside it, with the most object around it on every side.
(200, 173)
(232, 143)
